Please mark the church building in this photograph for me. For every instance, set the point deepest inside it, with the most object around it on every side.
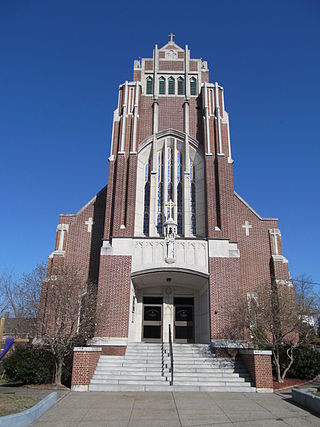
(168, 241)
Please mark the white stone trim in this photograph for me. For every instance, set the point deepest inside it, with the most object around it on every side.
(284, 282)
(86, 349)
(80, 387)
(217, 105)
(264, 390)
(108, 341)
(223, 249)
(256, 352)
(118, 246)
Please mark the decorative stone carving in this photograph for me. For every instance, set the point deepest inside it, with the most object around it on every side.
(171, 54)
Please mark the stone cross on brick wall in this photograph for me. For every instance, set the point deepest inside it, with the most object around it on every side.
(89, 223)
(62, 228)
(274, 233)
(247, 226)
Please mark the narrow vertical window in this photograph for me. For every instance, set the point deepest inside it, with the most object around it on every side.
(193, 86)
(193, 225)
(169, 178)
(171, 86)
(160, 193)
(179, 192)
(180, 86)
(146, 200)
(149, 85)
(162, 86)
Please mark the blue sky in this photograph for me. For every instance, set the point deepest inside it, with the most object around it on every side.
(60, 66)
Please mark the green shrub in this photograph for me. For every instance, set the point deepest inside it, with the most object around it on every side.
(29, 366)
(306, 364)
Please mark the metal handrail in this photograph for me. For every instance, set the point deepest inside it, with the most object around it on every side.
(171, 354)
(162, 358)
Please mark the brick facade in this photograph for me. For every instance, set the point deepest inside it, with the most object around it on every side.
(258, 364)
(196, 121)
(84, 364)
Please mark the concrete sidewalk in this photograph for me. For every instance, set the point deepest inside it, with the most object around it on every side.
(167, 409)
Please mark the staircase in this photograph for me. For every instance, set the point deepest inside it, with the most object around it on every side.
(145, 367)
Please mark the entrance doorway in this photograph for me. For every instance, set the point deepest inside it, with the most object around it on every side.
(183, 320)
(152, 319)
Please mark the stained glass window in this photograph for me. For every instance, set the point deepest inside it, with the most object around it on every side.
(180, 86)
(149, 86)
(193, 225)
(162, 86)
(160, 193)
(169, 178)
(179, 192)
(146, 200)
(171, 86)
(193, 86)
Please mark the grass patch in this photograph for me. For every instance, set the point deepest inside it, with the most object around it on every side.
(10, 404)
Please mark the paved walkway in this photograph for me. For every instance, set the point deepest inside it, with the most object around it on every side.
(167, 409)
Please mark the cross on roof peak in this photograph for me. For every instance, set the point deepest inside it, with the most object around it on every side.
(171, 35)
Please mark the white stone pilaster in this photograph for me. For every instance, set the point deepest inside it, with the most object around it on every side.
(124, 118)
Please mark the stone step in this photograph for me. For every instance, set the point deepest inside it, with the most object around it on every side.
(98, 377)
(114, 387)
(148, 372)
(177, 380)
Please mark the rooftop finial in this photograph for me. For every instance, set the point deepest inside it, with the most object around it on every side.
(171, 35)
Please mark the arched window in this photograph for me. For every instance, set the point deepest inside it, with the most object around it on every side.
(171, 86)
(193, 225)
(146, 212)
(162, 86)
(169, 178)
(180, 86)
(149, 85)
(160, 193)
(179, 192)
(193, 86)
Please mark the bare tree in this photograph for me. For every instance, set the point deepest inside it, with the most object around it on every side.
(20, 297)
(67, 315)
(271, 319)
(308, 307)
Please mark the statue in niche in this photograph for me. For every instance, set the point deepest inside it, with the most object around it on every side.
(170, 232)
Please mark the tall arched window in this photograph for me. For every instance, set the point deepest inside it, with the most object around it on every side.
(180, 86)
(146, 212)
(169, 178)
(171, 164)
(193, 225)
(160, 193)
(179, 193)
(149, 85)
(193, 86)
(162, 86)
(171, 86)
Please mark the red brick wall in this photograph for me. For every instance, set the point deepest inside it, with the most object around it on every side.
(259, 367)
(113, 296)
(114, 350)
(84, 365)
(224, 285)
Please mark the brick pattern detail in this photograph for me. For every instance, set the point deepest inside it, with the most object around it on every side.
(113, 350)
(84, 365)
(113, 296)
(224, 285)
(171, 66)
(260, 369)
